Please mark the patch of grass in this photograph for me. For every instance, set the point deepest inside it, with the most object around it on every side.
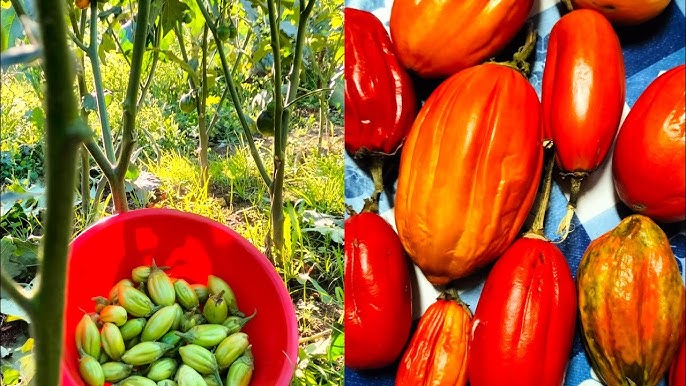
(182, 189)
(237, 175)
(319, 180)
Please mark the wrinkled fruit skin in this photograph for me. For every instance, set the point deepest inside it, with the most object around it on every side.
(677, 373)
(629, 277)
(438, 352)
(437, 38)
(380, 101)
(625, 12)
(524, 322)
(650, 151)
(583, 90)
(378, 306)
(477, 141)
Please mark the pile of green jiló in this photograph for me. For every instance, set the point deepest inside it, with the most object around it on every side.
(161, 331)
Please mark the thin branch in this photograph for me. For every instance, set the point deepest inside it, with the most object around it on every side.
(16, 293)
(118, 43)
(97, 80)
(215, 117)
(234, 96)
(100, 158)
(129, 113)
(303, 96)
(153, 66)
(184, 54)
(297, 62)
(77, 41)
(315, 336)
(278, 100)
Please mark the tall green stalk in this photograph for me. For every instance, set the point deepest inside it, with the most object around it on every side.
(281, 125)
(65, 130)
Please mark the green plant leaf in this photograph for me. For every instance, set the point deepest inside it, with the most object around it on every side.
(132, 172)
(171, 14)
(10, 375)
(106, 45)
(17, 256)
(336, 349)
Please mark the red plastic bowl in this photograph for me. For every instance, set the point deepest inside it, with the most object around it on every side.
(194, 247)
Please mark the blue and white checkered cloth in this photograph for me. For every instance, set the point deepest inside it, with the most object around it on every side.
(649, 50)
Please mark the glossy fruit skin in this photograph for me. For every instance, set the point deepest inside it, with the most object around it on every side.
(583, 90)
(525, 318)
(437, 38)
(82, 4)
(650, 151)
(625, 12)
(187, 102)
(265, 122)
(677, 373)
(477, 141)
(438, 352)
(629, 277)
(378, 306)
(380, 101)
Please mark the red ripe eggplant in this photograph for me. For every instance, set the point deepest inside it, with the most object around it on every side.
(524, 322)
(582, 95)
(378, 294)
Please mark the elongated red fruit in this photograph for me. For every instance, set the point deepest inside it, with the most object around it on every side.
(438, 352)
(677, 373)
(378, 297)
(524, 322)
(583, 95)
(649, 160)
(380, 102)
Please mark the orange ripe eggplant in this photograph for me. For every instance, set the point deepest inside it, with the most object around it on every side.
(437, 38)
(438, 352)
(469, 171)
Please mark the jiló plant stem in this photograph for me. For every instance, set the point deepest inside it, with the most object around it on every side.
(153, 66)
(130, 110)
(201, 106)
(282, 117)
(92, 53)
(65, 130)
(234, 94)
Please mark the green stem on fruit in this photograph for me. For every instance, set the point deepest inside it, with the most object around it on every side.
(520, 60)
